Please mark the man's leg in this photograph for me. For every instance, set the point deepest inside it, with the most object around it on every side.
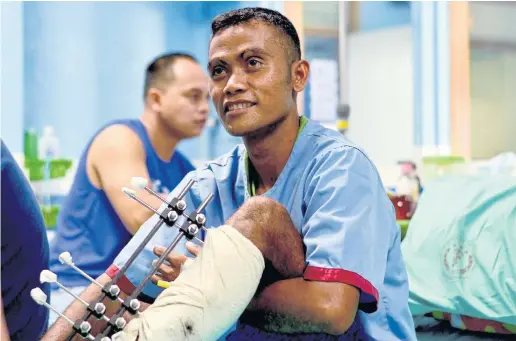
(212, 292)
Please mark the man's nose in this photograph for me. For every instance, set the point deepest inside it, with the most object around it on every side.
(204, 108)
(237, 83)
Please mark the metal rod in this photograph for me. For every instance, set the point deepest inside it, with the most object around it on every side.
(104, 317)
(89, 336)
(85, 275)
(142, 202)
(126, 266)
(138, 250)
(186, 189)
(149, 275)
(157, 264)
(71, 293)
(205, 202)
(157, 195)
(90, 278)
(58, 313)
(142, 245)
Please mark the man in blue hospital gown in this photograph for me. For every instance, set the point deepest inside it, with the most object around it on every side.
(354, 286)
(330, 188)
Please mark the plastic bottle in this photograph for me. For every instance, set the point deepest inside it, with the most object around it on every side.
(30, 144)
(409, 180)
(407, 191)
(48, 151)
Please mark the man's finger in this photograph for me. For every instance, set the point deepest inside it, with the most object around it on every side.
(156, 278)
(167, 272)
(193, 248)
(158, 250)
(175, 259)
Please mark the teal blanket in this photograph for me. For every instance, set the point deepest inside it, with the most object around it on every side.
(460, 248)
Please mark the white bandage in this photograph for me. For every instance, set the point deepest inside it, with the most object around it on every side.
(208, 296)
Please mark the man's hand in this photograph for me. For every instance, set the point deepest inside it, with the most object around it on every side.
(169, 270)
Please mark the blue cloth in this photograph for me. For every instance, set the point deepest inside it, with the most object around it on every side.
(336, 199)
(24, 253)
(88, 226)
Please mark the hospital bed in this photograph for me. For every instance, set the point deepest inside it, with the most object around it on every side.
(444, 332)
(460, 261)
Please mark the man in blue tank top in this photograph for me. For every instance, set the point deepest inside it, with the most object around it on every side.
(98, 219)
(24, 255)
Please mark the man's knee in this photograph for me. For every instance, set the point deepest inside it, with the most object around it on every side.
(268, 225)
(264, 210)
(257, 218)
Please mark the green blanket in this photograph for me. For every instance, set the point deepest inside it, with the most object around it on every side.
(460, 249)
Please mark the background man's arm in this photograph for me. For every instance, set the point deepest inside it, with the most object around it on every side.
(117, 155)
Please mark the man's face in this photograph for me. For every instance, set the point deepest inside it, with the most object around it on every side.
(251, 81)
(183, 102)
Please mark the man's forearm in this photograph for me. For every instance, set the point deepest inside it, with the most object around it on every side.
(61, 329)
(288, 307)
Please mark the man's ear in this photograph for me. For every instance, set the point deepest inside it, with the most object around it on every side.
(154, 99)
(300, 72)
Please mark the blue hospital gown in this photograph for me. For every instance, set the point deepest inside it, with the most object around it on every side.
(337, 201)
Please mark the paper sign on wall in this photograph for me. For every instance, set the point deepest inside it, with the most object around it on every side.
(324, 78)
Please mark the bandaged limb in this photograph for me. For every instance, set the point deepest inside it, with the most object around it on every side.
(212, 291)
(208, 296)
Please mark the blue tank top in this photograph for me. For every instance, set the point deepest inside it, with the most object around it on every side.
(88, 226)
(24, 253)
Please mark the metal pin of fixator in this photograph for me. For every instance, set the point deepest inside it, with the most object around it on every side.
(99, 309)
(132, 194)
(141, 183)
(66, 258)
(83, 328)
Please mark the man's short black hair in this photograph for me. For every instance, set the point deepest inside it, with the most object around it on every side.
(269, 16)
(158, 70)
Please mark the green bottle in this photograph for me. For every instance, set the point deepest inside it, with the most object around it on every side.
(30, 146)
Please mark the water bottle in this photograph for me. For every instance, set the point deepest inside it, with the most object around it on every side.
(48, 149)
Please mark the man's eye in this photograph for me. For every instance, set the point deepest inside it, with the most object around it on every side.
(217, 71)
(195, 97)
(254, 62)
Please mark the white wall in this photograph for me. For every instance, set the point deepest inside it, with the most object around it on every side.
(493, 103)
(11, 75)
(381, 94)
(493, 79)
(493, 21)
